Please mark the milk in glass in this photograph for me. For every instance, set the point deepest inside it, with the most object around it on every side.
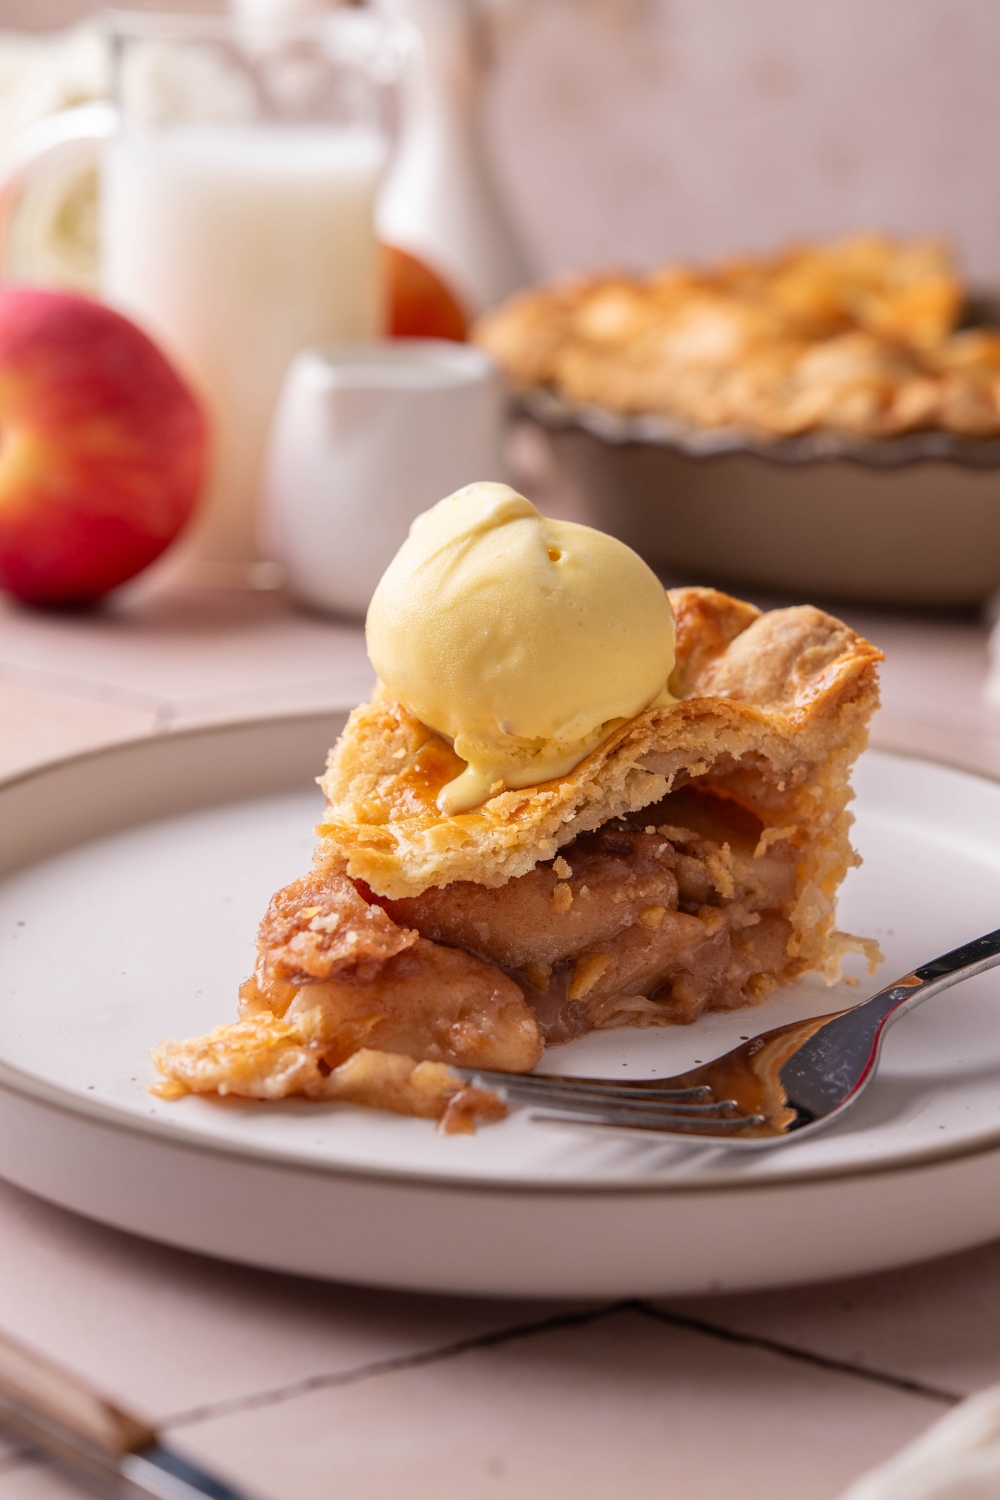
(236, 247)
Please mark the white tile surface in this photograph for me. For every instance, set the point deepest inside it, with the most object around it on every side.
(938, 1323)
(36, 1481)
(38, 725)
(166, 1332)
(191, 655)
(621, 1406)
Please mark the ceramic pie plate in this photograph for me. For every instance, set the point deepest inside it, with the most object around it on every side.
(131, 884)
(786, 514)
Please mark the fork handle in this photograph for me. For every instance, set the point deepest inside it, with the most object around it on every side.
(904, 995)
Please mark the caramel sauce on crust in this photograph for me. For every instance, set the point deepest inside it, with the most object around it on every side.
(416, 788)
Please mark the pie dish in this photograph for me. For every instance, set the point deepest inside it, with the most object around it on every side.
(690, 862)
(859, 337)
(755, 420)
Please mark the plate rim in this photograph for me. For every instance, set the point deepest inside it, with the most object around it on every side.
(21, 1082)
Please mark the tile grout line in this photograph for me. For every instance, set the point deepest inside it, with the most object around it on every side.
(805, 1356)
(397, 1363)
(330, 692)
(80, 689)
(389, 1366)
(21, 1458)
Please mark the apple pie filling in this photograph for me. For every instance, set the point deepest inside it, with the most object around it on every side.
(647, 920)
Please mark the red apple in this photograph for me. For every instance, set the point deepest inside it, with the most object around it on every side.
(103, 448)
(421, 305)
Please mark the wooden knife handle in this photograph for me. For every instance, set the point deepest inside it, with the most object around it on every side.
(34, 1382)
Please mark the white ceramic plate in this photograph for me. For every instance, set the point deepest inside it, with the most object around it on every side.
(134, 882)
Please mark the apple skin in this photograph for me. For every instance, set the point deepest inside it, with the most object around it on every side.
(103, 448)
(420, 304)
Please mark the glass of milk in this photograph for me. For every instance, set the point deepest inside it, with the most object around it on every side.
(239, 173)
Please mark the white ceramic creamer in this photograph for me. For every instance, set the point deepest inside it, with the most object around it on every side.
(365, 438)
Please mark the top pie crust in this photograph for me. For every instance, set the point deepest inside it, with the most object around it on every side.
(788, 693)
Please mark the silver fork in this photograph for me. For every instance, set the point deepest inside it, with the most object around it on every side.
(780, 1085)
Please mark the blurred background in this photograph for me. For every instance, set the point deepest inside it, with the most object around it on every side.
(636, 131)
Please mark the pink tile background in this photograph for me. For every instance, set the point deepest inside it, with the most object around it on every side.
(640, 130)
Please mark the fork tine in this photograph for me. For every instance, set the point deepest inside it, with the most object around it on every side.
(587, 1103)
(686, 1098)
(642, 1104)
(649, 1120)
(545, 1084)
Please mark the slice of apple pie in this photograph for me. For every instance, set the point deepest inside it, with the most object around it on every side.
(689, 862)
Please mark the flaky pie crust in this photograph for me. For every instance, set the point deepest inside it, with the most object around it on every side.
(788, 693)
(349, 1002)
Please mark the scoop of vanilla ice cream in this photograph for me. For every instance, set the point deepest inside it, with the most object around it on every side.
(525, 641)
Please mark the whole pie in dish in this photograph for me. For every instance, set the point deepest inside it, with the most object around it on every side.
(860, 336)
(689, 862)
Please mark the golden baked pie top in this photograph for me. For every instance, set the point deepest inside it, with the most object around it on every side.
(858, 336)
(787, 690)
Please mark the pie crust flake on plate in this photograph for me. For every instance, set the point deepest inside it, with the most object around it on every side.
(691, 862)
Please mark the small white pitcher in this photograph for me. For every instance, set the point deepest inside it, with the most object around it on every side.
(366, 437)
